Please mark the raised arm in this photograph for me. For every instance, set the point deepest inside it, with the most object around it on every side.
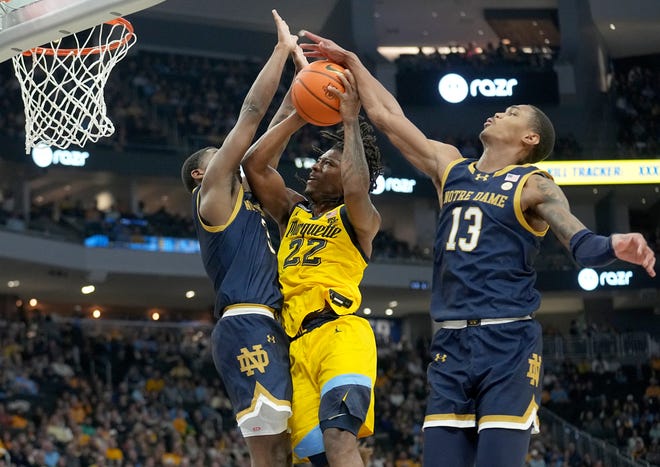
(217, 189)
(286, 107)
(429, 156)
(543, 198)
(265, 182)
(355, 179)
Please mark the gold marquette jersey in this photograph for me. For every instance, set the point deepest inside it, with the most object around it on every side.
(319, 262)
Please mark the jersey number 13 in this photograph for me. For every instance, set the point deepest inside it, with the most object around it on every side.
(473, 217)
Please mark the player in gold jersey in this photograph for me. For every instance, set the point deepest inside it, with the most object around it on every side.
(326, 243)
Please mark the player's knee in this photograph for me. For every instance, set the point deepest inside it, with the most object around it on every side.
(280, 443)
(282, 455)
(337, 440)
(270, 451)
(340, 423)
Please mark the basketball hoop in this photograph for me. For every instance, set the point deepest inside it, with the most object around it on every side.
(62, 88)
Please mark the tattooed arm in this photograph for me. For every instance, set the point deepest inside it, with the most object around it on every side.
(362, 214)
(544, 202)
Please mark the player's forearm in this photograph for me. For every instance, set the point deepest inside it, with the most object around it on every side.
(563, 224)
(354, 168)
(263, 89)
(587, 248)
(591, 250)
(285, 109)
(377, 101)
(552, 206)
(269, 146)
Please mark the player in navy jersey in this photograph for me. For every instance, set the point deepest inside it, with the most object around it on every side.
(250, 349)
(486, 364)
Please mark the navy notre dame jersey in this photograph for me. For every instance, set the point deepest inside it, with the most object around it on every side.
(484, 248)
(238, 256)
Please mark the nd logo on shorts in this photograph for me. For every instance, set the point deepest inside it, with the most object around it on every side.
(534, 371)
(257, 359)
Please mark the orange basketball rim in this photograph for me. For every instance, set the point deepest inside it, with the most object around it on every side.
(99, 49)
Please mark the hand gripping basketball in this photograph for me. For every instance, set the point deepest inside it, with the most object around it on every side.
(310, 95)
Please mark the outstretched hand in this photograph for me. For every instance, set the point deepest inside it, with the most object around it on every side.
(323, 48)
(632, 247)
(284, 36)
(299, 59)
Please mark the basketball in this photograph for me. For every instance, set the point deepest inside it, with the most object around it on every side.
(310, 93)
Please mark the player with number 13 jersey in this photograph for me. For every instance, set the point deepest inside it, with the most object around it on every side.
(485, 249)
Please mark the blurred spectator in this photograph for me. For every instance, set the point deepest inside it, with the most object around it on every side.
(536, 459)
(653, 389)
(558, 394)
(636, 90)
(156, 102)
(599, 365)
(505, 55)
(141, 395)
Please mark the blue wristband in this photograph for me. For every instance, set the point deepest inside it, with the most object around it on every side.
(592, 250)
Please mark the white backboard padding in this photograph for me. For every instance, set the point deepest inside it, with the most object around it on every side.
(43, 21)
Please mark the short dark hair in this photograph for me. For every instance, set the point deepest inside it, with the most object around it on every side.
(190, 164)
(371, 150)
(541, 125)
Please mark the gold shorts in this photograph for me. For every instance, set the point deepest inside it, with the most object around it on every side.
(333, 369)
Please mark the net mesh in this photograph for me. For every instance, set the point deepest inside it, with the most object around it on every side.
(62, 85)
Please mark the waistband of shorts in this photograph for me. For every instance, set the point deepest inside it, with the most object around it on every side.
(248, 309)
(315, 319)
(464, 323)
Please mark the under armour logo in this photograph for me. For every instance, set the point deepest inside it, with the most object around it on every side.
(255, 360)
(270, 339)
(440, 358)
(482, 177)
(534, 372)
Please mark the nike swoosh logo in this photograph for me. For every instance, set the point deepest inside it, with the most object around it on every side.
(336, 416)
(332, 68)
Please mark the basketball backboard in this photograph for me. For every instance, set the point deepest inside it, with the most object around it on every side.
(25, 24)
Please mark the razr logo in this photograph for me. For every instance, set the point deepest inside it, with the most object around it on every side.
(589, 280)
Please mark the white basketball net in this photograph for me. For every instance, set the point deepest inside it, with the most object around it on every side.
(62, 88)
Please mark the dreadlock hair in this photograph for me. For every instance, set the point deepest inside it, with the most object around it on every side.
(371, 150)
(190, 164)
(541, 124)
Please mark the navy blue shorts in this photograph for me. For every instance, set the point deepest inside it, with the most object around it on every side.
(251, 354)
(487, 376)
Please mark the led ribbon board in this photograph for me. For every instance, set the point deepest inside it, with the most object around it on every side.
(604, 172)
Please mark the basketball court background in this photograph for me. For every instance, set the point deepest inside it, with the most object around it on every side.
(229, 29)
